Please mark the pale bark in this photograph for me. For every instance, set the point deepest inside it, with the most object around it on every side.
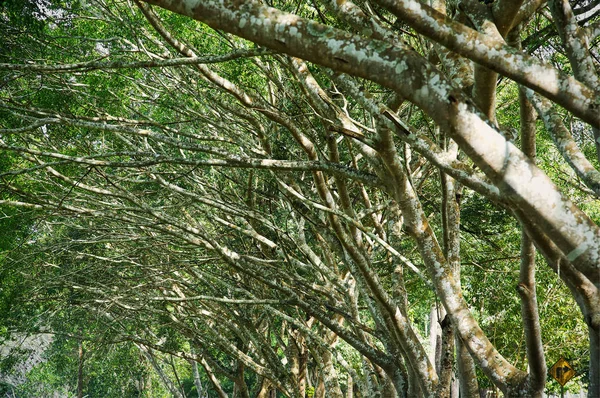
(531, 319)
(484, 91)
(197, 380)
(493, 53)
(469, 387)
(446, 359)
(298, 359)
(241, 388)
(505, 12)
(330, 377)
(449, 291)
(527, 285)
(576, 43)
(163, 376)
(80, 360)
(349, 387)
(451, 194)
(586, 294)
(566, 144)
(107, 65)
(341, 218)
(484, 88)
(593, 322)
(527, 187)
(435, 334)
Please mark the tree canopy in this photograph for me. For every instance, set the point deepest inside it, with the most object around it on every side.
(331, 198)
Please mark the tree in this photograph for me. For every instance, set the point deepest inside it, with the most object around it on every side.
(285, 209)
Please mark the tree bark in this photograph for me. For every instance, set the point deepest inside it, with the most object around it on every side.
(165, 379)
(594, 335)
(527, 285)
(213, 379)
(571, 229)
(240, 383)
(197, 380)
(298, 359)
(350, 387)
(446, 360)
(467, 378)
(80, 356)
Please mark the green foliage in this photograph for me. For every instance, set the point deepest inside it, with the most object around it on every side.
(109, 371)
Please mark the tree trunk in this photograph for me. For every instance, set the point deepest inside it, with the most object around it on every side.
(435, 334)
(165, 379)
(446, 359)
(263, 391)
(594, 333)
(299, 357)
(240, 383)
(350, 387)
(320, 383)
(527, 285)
(80, 370)
(455, 390)
(330, 378)
(213, 379)
(197, 380)
(414, 389)
(467, 378)
(369, 389)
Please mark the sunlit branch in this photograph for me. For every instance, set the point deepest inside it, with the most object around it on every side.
(106, 65)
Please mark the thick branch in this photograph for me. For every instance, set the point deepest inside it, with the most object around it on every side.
(565, 142)
(495, 54)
